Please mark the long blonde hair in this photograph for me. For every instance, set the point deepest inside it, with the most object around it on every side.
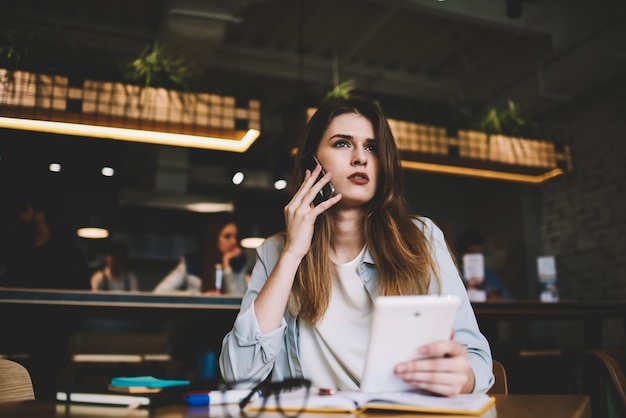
(400, 249)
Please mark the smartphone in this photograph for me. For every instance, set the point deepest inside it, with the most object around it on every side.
(310, 161)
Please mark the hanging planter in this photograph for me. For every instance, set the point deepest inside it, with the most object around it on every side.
(156, 68)
(509, 121)
(341, 90)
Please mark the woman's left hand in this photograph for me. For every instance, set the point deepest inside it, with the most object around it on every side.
(445, 370)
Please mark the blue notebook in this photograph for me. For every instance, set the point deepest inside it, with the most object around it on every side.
(146, 382)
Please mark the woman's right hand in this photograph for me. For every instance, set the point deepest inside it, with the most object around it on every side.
(229, 255)
(300, 213)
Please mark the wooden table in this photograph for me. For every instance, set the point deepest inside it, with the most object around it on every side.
(507, 406)
(114, 303)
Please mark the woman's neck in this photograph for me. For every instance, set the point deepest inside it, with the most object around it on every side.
(348, 240)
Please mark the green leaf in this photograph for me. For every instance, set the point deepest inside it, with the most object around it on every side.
(342, 90)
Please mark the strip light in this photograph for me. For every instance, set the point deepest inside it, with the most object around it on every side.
(482, 173)
(134, 135)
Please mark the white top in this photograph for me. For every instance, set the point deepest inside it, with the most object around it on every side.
(104, 280)
(332, 353)
(180, 279)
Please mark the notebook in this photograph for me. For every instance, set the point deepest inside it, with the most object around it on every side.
(354, 403)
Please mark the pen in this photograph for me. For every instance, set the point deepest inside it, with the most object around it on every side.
(216, 397)
(198, 399)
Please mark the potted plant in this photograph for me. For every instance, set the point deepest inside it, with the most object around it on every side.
(508, 121)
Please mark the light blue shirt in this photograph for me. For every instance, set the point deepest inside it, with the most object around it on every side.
(247, 354)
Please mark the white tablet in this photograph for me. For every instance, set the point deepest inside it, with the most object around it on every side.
(401, 324)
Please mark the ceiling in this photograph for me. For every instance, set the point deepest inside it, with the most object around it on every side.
(468, 53)
(426, 60)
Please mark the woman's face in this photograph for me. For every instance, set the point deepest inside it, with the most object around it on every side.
(227, 238)
(348, 151)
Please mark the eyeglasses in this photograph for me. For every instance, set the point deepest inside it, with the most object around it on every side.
(290, 397)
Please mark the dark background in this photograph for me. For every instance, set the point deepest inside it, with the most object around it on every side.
(440, 63)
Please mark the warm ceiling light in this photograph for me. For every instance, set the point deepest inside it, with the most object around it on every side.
(92, 233)
(252, 242)
(280, 184)
(210, 207)
(238, 178)
(134, 135)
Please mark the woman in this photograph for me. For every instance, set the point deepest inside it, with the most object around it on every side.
(196, 271)
(307, 309)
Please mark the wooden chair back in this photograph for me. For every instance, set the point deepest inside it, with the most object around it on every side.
(501, 385)
(605, 382)
(15, 382)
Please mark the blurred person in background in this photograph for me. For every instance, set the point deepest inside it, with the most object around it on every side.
(196, 271)
(39, 253)
(473, 242)
(115, 275)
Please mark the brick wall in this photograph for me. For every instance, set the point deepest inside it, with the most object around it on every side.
(584, 213)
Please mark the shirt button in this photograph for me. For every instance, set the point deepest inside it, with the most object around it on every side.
(366, 280)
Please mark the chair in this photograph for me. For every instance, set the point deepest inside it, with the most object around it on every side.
(500, 386)
(605, 382)
(15, 382)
